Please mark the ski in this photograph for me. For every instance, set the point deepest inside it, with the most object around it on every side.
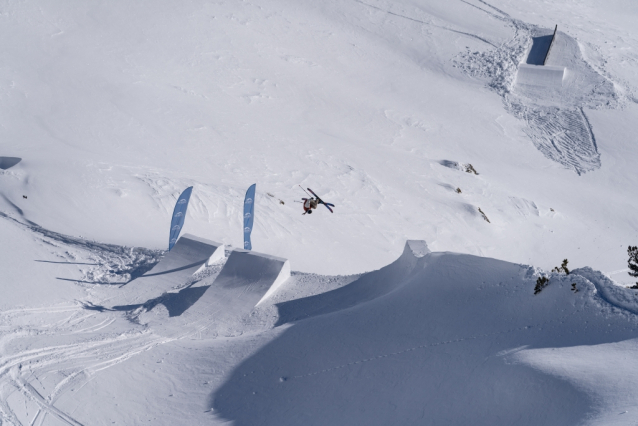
(328, 205)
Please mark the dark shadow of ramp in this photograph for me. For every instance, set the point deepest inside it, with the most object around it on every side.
(188, 255)
(540, 46)
(178, 303)
(8, 162)
(175, 303)
(368, 287)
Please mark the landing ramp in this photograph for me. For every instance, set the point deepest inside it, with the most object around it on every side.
(188, 255)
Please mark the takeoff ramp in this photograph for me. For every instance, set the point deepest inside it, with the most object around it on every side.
(228, 304)
(188, 255)
(247, 279)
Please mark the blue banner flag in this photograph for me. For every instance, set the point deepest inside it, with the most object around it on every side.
(249, 215)
(179, 214)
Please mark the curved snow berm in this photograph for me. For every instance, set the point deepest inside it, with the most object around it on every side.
(188, 255)
(368, 287)
(444, 339)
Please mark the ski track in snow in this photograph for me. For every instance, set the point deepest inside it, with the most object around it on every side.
(76, 363)
(99, 342)
(564, 136)
(474, 36)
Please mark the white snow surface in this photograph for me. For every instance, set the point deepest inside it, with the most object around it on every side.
(404, 114)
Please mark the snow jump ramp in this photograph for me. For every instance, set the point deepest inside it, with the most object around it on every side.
(189, 254)
(369, 286)
(247, 279)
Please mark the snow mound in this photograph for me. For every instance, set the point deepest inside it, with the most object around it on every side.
(448, 337)
(368, 287)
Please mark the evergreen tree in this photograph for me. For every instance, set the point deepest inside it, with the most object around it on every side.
(633, 262)
(562, 268)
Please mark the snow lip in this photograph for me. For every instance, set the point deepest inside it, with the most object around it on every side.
(418, 247)
(283, 276)
(254, 253)
(201, 240)
(540, 75)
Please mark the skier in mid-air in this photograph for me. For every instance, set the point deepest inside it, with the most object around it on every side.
(309, 204)
(313, 202)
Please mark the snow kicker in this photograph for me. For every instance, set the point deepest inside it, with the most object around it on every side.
(553, 113)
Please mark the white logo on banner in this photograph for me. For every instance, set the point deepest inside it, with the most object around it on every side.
(246, 229)
(248, 201)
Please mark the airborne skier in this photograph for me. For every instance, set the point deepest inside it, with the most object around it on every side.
(312, 203)
(309, 204)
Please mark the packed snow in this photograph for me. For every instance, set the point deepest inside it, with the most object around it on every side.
(462, 172)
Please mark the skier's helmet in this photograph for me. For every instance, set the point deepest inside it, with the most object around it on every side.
(309, 211)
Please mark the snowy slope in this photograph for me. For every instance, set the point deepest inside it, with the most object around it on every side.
(114, 108)
(117, 108)
(431, 338)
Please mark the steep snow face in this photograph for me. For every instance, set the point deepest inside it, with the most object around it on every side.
(115, 109)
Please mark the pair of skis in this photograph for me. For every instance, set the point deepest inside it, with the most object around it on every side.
(319, 200)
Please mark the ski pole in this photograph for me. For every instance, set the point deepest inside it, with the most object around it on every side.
(304, 191)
